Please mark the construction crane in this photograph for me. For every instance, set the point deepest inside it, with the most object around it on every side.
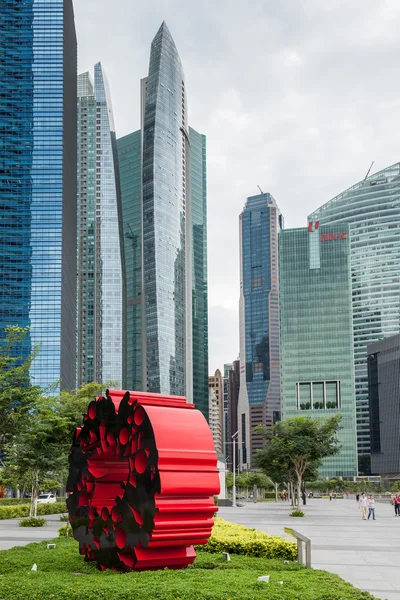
(260, 189)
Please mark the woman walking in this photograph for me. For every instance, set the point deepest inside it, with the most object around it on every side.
(371, 507)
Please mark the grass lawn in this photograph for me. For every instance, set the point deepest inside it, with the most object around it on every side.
(63, 575)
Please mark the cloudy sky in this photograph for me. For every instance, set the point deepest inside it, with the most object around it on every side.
(297, 96)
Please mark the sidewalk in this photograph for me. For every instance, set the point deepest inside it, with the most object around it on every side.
(11, 534)
(365, 553)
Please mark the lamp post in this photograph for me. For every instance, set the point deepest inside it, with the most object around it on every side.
(234, 469)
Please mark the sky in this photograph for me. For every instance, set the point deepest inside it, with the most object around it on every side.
(296, 96)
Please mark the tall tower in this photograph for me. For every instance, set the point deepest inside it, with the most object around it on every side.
(100, 284)
(163, 186)
(259, 395)
(371, 208)
(38, 183)
(167, 256)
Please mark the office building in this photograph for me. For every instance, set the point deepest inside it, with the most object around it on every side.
(129, 161)
(100, 285)
(214, 419)
(232, 412)
(163, 187)
(384, 405)
(317, 355)
(225, 381)
(215, 383)
(259, 395)
(38, 69)
(371, 208)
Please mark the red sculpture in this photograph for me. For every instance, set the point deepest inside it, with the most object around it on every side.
(143, 474)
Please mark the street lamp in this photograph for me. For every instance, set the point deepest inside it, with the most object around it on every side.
(234, 470)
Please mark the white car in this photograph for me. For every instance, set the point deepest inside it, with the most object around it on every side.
(46, 499)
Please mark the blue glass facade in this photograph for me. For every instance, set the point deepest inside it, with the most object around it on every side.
(259, 400)
(100, 282)
(38, 181)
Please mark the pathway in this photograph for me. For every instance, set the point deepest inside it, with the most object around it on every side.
(365, 553)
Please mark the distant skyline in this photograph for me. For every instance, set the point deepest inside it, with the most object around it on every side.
(297, 97)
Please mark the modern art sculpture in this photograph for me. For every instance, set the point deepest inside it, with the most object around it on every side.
(143, 474)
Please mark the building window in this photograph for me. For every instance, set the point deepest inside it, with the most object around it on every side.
(319, 395)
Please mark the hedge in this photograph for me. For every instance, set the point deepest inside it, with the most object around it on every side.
(270, 495)
(19, 501)
(22, 510)
(238, 539)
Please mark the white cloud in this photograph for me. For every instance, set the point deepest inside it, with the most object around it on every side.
(297, 96)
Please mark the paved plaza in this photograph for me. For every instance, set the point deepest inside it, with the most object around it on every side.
(365, 553)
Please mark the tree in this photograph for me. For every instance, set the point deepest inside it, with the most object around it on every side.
(17, 395)
(40, 448)
(295, 446)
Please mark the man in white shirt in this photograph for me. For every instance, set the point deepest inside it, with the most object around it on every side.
(363, 502)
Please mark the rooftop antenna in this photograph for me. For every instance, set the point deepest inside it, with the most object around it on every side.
(369, 170)
(261, 189)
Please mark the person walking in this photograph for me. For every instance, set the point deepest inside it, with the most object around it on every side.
(363, 505)
(397, 504)
(371, 507)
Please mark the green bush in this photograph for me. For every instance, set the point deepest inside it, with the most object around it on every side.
(22, 510)
(238, 539)
(63, 517)
(33, 522)
(269, 495)
(297, 513)
(19, 501)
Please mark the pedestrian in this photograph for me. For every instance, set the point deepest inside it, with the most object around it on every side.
(363, 502)
(371, 507)
(357, 497)
(397, 505)
(334, 495)
(330, 497)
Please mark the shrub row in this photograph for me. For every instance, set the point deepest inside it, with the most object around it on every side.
(13, 501)
(238, 539)
(18, 501)
(269, 495)
(22, 510)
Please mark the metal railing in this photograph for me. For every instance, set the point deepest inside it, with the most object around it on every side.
(300, 540)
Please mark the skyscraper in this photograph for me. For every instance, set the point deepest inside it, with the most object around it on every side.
(130, 172)
(232, 413)
(163, 185)
(371, 207)
(38, 182)
(317, 365)
(100, 283)
(259, 395)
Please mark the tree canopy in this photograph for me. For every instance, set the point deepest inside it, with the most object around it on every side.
(295, 448)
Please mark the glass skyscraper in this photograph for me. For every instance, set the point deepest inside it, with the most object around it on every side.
(163, 186)
(38, 182)
(129, 160)
(317, 364)
(259, 394)
(371, 208)
(100, 283)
